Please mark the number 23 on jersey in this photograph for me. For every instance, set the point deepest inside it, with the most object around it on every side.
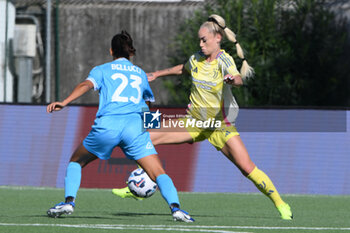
(135, 83)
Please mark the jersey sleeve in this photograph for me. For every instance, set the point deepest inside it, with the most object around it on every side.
(96, 77)
(229, 64)
(147, 91)
(189, 65)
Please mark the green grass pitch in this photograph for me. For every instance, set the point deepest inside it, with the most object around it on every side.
(23, 209)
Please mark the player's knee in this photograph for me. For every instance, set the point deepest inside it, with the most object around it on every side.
(83, 159)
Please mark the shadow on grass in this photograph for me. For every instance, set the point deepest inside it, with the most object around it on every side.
(72, 217)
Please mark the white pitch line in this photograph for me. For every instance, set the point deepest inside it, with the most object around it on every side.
(241, 227)
(188, 227)
(123, 227)
(276, 228)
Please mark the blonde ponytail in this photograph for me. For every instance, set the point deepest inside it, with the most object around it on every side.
(246, 70)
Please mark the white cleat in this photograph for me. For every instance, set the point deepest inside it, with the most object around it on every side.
(61, 208)
(181, 215)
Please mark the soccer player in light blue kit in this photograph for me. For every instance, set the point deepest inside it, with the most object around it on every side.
(124, 90)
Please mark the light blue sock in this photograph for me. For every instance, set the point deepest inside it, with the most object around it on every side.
(167, 189)
(72, 179)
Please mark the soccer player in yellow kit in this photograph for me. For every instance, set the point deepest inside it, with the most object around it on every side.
(213, 73)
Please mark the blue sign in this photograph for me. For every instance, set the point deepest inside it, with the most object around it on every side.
(151, 120)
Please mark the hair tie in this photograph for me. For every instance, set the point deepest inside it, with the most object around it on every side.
(243, 59)
(236, 42)
(210, 19)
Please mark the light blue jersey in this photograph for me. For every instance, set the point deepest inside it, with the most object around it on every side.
(123, 88)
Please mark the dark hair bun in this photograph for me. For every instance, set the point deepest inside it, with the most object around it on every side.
(122, 45)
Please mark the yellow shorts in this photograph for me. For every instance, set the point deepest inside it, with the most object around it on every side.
(216, 136)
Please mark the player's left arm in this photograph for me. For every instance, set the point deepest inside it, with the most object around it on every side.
(78, 91)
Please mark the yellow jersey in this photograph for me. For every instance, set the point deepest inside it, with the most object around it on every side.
(210, 96)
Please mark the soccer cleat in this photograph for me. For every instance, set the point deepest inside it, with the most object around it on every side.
(285, 211)
(125, 193)
(61, 208)
(181, 215)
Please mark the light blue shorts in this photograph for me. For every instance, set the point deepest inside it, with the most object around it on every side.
(125, 131)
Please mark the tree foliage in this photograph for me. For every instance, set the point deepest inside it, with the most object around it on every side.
(298, 48)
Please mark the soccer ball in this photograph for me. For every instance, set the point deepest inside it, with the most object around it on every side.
(140, 184)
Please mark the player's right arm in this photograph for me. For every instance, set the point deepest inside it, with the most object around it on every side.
(78, 91)
(176, 70)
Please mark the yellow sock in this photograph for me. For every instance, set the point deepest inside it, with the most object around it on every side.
(265, 185)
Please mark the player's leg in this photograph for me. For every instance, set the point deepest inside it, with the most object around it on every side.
(159, 137)
(175, 135)
(98, 144)
(152, 165)
(235, 151)
(80, 158)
